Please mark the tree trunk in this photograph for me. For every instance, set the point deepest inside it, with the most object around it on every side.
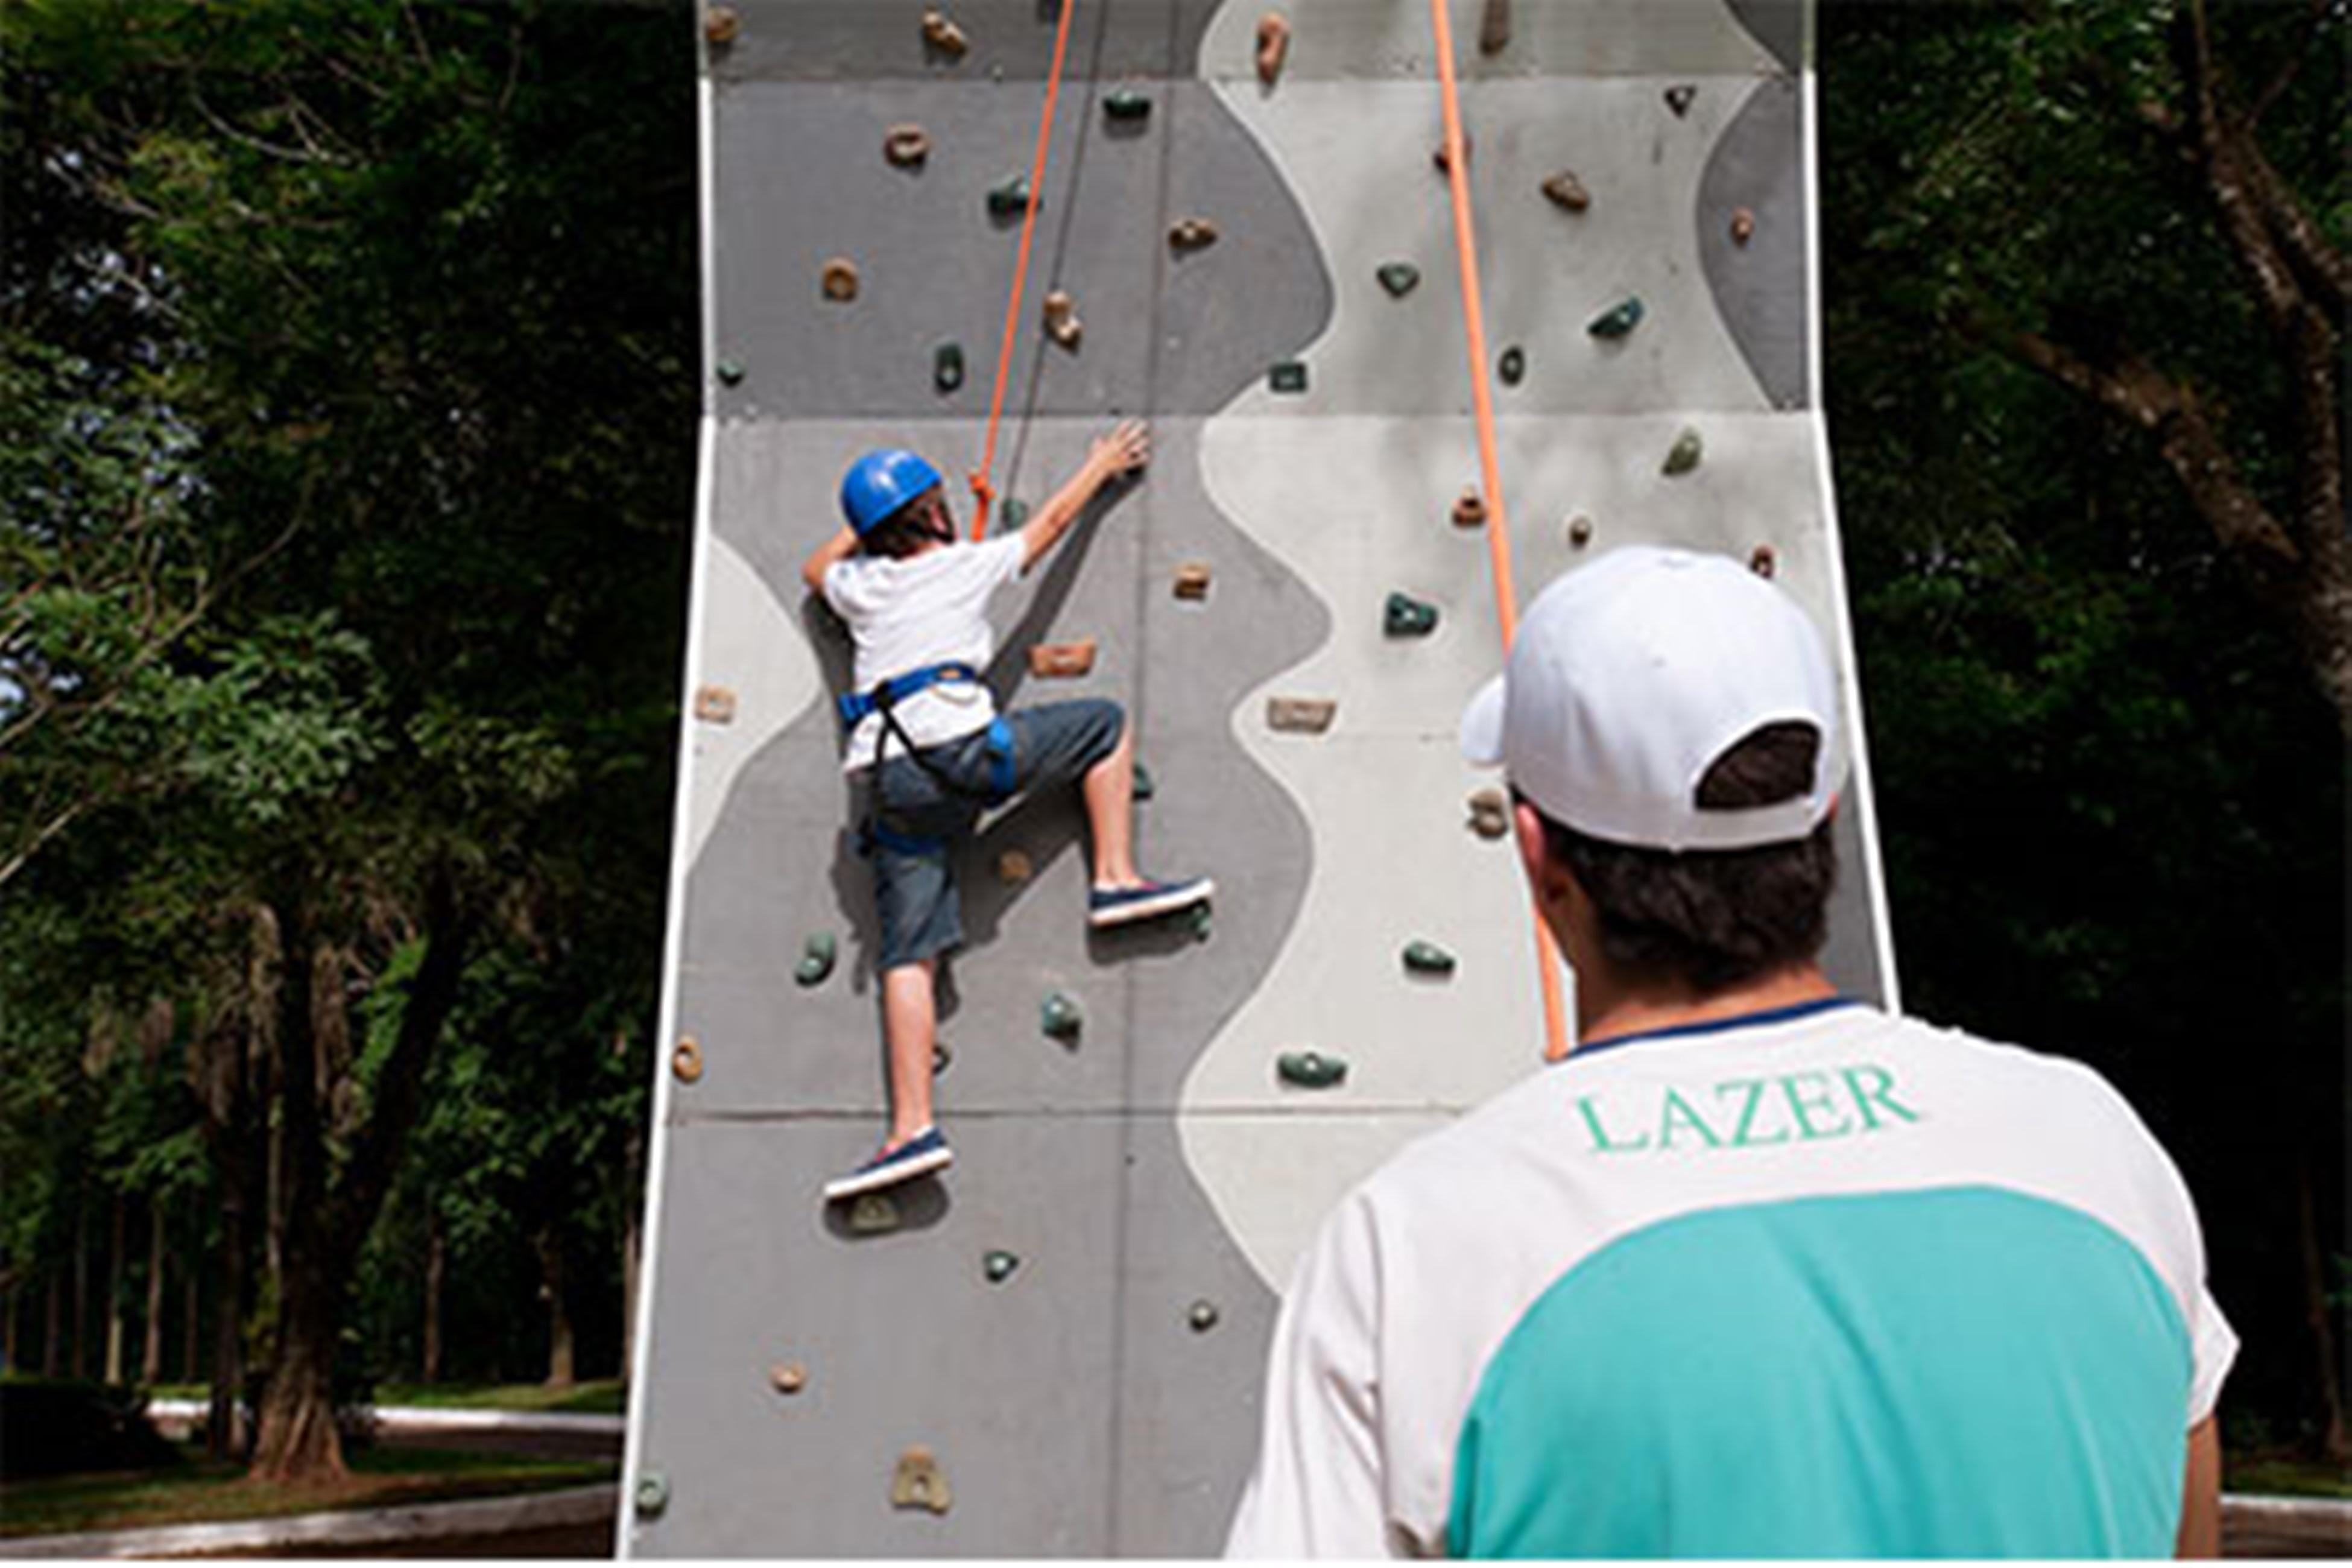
(436, 1273)
(559, 1365)
(151, 1362)
(81, 1293)
(299, 1440)
(118, 1243)
(224, 1440)
(630, 1252)
(53, 1329)
(2334, 1443)
(190, 1312)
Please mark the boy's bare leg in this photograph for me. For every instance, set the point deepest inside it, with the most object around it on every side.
(910, 1030)
(1110, 791)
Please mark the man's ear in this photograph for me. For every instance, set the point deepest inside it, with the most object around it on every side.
(1547, 878)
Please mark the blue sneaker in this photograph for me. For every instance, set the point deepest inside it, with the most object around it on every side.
(1107, 907)
(919, 1156)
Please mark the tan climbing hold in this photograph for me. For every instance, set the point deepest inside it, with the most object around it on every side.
(714, 705)
(1445, 164)
(1062, 324)
(788, 1377)
(1470, 508)
(1579, 531)
(875, 1213)
(1743, 226)
(685, 1061)
(839, 279)
(1193, 580)
(906, 146)
(1490, 813)
(1565, 190)
(1495, 28)
(1763, 561)
(1013, 867)
(720, 24)
(1301, 715)
(1273, 45)
(940, 33)
(1062, 660)
(1192, 234)
(918, 1483)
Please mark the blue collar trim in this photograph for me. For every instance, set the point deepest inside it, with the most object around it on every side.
(1718, 1026)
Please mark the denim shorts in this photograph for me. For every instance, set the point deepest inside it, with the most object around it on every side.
(915, 897)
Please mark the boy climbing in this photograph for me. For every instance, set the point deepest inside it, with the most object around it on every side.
(929, 750)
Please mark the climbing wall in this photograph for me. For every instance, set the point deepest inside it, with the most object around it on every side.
(1056, 1349)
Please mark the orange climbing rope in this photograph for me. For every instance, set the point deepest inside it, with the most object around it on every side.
(982, 491)
(1490, 472)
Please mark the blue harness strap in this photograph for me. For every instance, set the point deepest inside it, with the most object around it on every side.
(1002, 776)
(856, 705)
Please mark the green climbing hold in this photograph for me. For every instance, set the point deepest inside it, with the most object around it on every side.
(946, 366)
(1203, 922)
(1288, 376)
(817, 954)
(1406, 616)
(1618, 319)
(653, 1494)
(1128, 105)
(1202, 1315)
(873, 1214)
(1009, 199)
(1311, 1069)
(730, 372)
(1427, 958)
(1060, 1017)
(1399, 278)
(1013, 512)
(1683, 454)
(999, 1266)
(1514, 367)
(942, 1059)
(1145, 787)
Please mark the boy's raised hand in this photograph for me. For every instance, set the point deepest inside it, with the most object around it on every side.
(1127, 448)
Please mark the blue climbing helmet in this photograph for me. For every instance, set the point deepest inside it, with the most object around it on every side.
(882, 482)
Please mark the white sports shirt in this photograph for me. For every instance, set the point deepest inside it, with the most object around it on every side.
(927, 609)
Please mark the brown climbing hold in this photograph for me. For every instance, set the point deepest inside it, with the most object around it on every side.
(1062, 324)
(1490, 814)
(1495, 28)
(1013, 868)
(918, 1483)
(1192, 234)
(940, 33)
(1273, 45)
(1470, 508)
(1193, 580)
(687, 1060)
(1445, 164)
(720, 24)
(1565, 190)
(1062, 660)
(788, 1377)
(1763, 561)
(839, 279)
(1579, 531)
(1743, 226)
(714, 705)
(1301, 715)
(906, 146)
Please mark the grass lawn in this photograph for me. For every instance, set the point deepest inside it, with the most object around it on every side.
(607, 1396)
(202, 1491)
(2263, 1473)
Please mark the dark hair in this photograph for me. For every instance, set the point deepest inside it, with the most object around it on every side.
(905, 530)
(1713, 919)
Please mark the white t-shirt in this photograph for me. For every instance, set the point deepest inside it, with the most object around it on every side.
(927, 609)
(1819, 1282)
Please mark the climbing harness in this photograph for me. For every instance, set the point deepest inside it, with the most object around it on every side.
(982, 491)
(1498, 534)
(884, 699)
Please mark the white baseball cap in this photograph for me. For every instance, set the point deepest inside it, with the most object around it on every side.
(1632, 676)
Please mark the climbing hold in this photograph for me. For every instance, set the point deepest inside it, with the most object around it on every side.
(918, 1483)
(1144, 786)
(788, 1377)
(687, 1060)
(714, 705)
(943, 1057)
(1618, 319)
(1679, 98)
(946, 366)
(1202, 1315)
(1580, 530)
(1013, 512)
(873, 1214)
(1288, 376)
(1683, 454)
(1203, 921)
(1193, 580)
(944, 37)
(1062, 324)
(1311, 1069)
(1192, 234)
(1399, 278)
(1273, 45)
(1763, 561)
(1495, 28)
(1013, 868)
(720, 24)
(839, 279)
(1470, 508)
(1062, 660)
(731, 373)
(1061, 1018)
(1406, 616)
(906, 146)
(1743, 226)
(653, 1494)
(999, 1266)
(1490, 813)
(1427, 958)
(1301, 715)
(817, 954)
(1565, 190)
(1513, 367)
(1127, 105)
(1010, 198)
(1445, 164)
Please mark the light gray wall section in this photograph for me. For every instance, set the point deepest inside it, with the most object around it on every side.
(1760, 288)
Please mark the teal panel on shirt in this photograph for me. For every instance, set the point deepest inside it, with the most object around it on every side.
(1960, 1371)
